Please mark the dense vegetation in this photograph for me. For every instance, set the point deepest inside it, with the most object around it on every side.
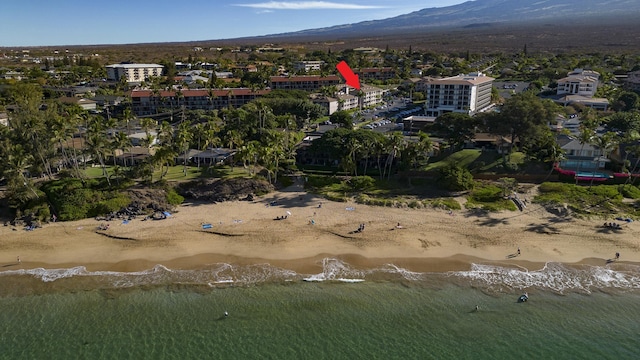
(49, 147)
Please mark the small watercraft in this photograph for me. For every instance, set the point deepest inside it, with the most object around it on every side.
(523, 298)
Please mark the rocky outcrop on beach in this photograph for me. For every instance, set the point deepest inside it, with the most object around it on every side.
(218, 190)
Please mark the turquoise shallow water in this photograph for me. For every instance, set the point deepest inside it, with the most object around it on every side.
(275, 314)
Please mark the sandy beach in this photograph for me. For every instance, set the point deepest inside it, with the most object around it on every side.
(244, 232)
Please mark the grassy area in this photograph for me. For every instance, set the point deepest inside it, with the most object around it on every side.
(490, 198)
(176, 173)
(475, 160)
(462, 158)
(372, 191)
(600, 200)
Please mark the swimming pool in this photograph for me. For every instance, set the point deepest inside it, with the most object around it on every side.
(592, 174)
(578, 164)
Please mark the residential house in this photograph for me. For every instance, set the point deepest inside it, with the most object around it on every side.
(139, 138)
(85, 104)
(208, 157)
(415, 123)
(580, 156)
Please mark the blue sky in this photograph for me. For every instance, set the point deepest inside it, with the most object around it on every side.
(83, 22)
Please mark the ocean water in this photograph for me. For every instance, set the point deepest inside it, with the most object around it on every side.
(581, 312)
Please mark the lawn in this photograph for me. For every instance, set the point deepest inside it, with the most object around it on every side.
(176, 173)
(475, 160)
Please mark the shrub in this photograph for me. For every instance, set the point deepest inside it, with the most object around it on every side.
(630, 191)
(446, 203)
(456, 178)
(361, 182)
(116, 202)
(174, 198)
(490, 193)
(285, 181)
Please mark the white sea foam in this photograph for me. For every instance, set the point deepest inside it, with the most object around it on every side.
(553, 276)
(350, 280)
(337, 270)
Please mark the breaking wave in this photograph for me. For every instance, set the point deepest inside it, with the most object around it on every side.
(553, 276)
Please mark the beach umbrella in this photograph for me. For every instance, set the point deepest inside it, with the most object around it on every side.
(288, 212)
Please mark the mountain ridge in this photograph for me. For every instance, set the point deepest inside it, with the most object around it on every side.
(485, 12)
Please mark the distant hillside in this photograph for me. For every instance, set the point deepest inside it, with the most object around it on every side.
(484, 13)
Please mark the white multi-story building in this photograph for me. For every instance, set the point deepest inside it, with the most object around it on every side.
(468, 94)
(348, 98)
(579, 82)
(307, 66)
(133, 73)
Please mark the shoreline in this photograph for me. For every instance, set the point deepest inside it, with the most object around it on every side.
(313, 265)
(241, 232)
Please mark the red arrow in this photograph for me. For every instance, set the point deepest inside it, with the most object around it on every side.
(349, 77)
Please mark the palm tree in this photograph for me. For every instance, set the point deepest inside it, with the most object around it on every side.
(121, 142)
(350, 162)
(98, 145)
(164, 157)
(606, 143)
(183, 138)
(18, 160)
(586, 137)
(395, 145)
(62, 131)
(635, 150)
(234, 139)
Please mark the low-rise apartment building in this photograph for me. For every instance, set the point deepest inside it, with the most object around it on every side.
(381, 74)
(579, 82)
(306, 83)
(468, 94)
(306, 66)
(347, 98)
(148, 102)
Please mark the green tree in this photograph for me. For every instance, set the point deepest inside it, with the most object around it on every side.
(456, 178)
(183, 139)
(97, 144)
(455, 128)
(341, 118)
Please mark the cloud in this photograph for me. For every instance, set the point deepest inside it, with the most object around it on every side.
(307, 5)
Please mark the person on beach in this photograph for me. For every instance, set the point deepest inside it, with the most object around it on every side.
(518, 250)
(19, 261)
(617, 255)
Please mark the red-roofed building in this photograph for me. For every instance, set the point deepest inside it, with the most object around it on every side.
(382, 74)
(147, 102)
(306, 83)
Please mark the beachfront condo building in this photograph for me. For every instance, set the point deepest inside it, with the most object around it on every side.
(468, 94)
